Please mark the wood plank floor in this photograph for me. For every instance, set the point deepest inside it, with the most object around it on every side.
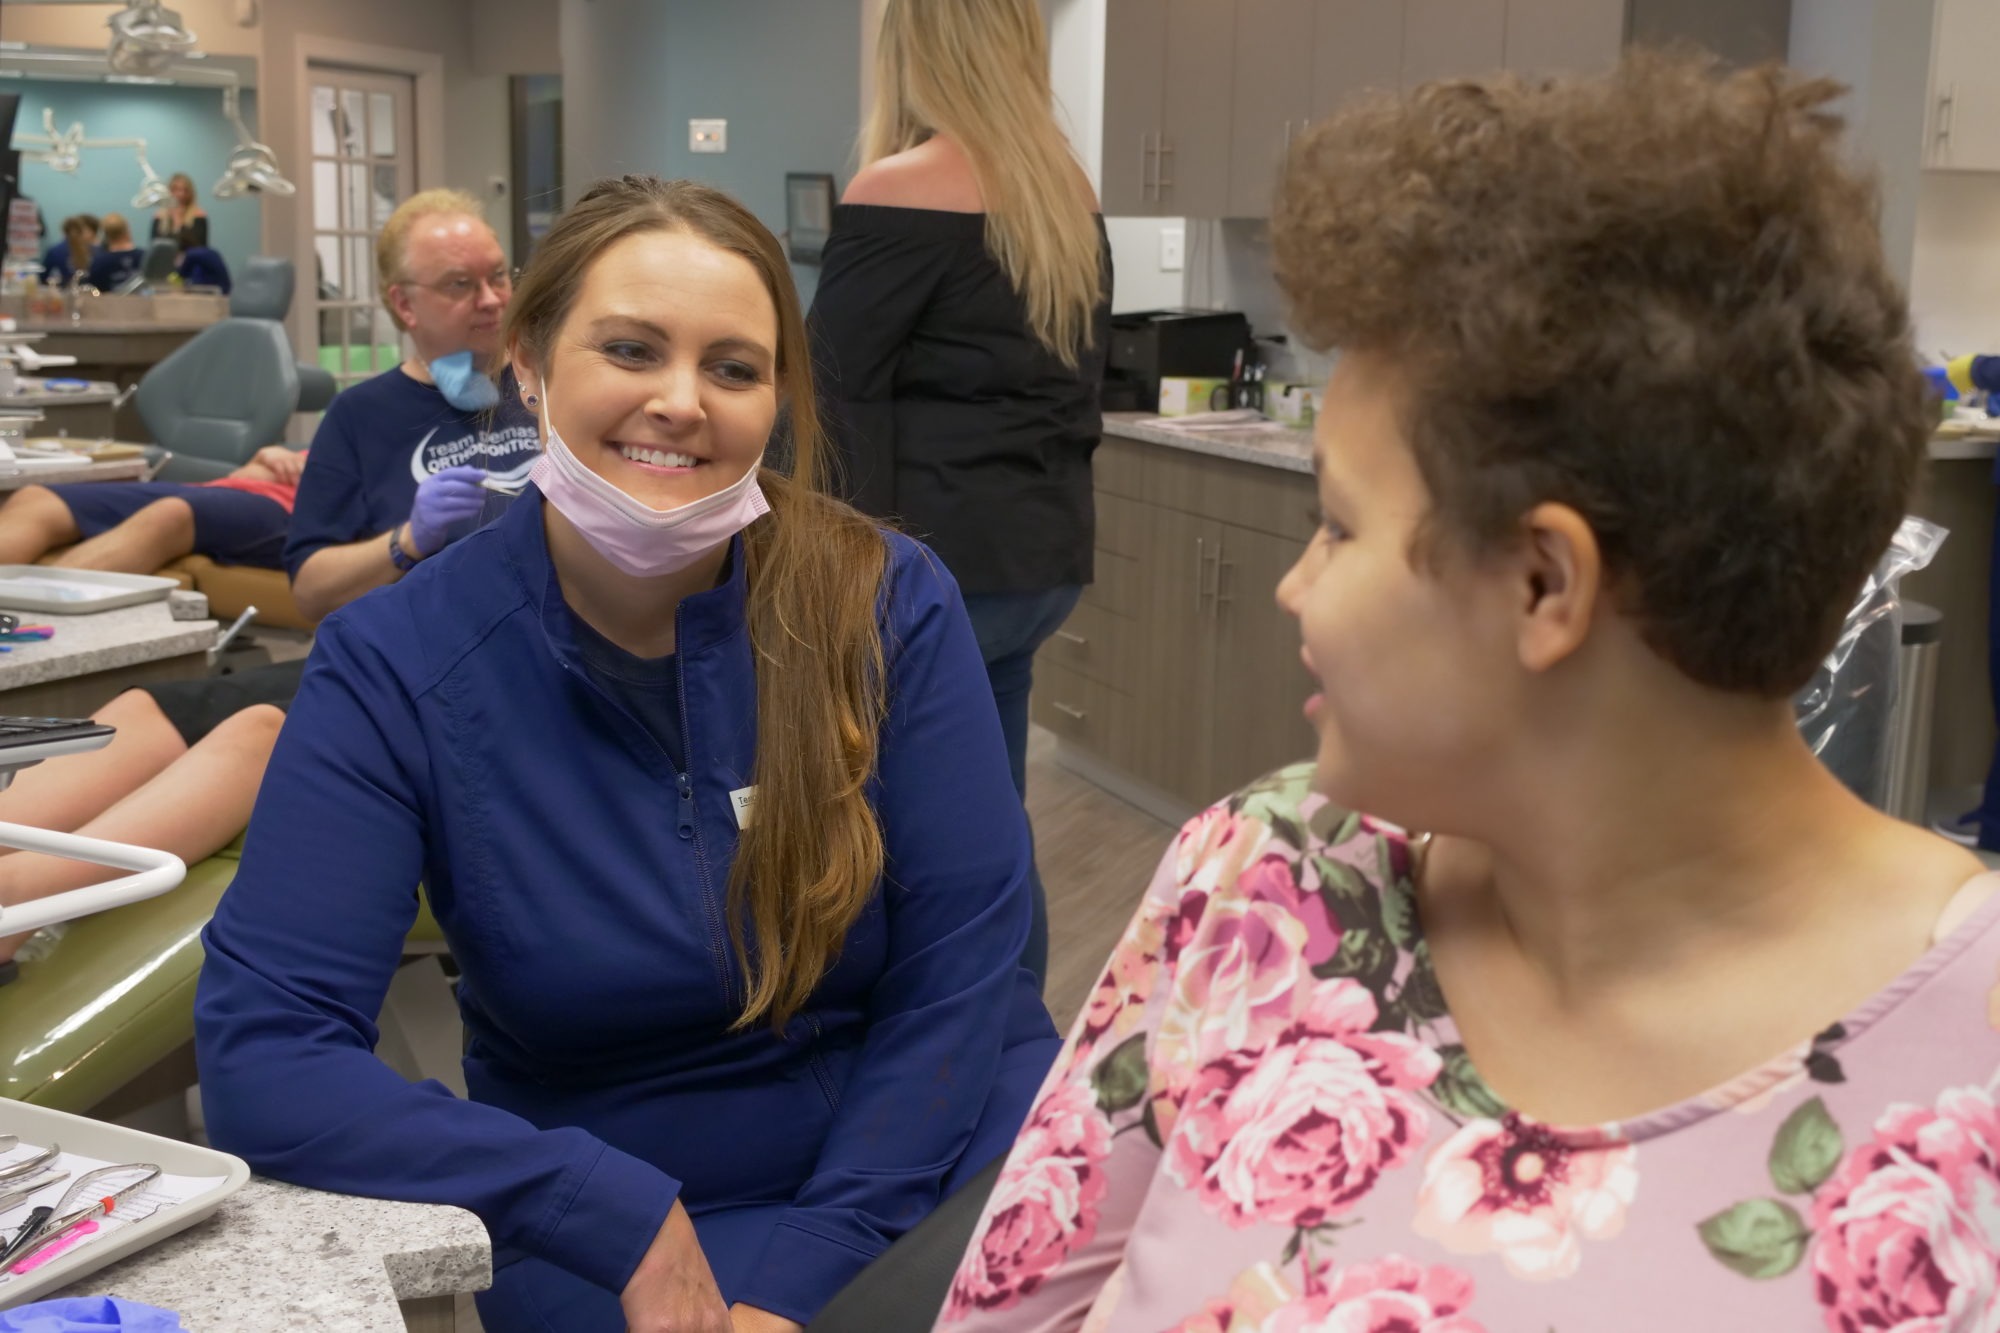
(1096, 855)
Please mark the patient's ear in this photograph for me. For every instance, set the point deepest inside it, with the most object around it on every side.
(1560, 572)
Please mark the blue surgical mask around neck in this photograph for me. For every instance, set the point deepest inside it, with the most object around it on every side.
(463, 384)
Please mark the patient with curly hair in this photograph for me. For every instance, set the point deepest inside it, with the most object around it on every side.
(1564, 988)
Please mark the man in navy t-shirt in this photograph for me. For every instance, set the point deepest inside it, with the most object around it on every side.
(402, 464)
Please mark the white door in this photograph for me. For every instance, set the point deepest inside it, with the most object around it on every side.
(363, 164)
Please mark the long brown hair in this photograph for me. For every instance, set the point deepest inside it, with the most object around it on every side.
(809, 860)
(978, 70)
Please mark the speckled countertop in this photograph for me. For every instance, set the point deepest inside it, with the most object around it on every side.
(1274, 445)
(1267, 445)
(123, 469)
(27, 395)
(64, 326)
(279, 1257)
(100, 642)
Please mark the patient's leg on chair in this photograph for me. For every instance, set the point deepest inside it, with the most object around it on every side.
(33, 522)
(193, 809)
(161, 532)
(65, 794)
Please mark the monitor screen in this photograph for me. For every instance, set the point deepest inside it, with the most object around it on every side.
(808, 213)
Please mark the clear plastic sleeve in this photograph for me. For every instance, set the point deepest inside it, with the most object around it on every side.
(1846, 709)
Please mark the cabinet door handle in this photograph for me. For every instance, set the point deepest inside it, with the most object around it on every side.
(1200, 568)
(1944, 116)
(1220, 565)
(1161, 181)
(1067, 710)
(1145, 157)
(1068, 637)
(1288, 139)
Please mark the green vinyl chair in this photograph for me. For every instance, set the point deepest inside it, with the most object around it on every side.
(103, 1024)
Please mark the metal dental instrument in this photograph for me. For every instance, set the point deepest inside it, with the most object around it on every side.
(48, 1224)
(16, 1170)
(15, 1198)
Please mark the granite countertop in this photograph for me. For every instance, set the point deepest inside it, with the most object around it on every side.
(114, 326)
(101, 642)
(276, 1256)
(1274, 445)
(27, 395)
(1268, 444)
(121, 469)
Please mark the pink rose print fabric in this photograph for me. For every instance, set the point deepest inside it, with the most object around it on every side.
(1265, 1121)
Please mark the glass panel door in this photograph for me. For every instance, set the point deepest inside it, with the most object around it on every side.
(364, 164)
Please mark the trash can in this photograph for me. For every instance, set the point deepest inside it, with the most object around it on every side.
(1910, 715)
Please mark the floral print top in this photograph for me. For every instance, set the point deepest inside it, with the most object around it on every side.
(1264, 1122)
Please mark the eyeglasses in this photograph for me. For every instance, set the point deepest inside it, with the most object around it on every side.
(460, 288)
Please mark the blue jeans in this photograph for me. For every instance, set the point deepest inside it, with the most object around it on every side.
(1010, 626)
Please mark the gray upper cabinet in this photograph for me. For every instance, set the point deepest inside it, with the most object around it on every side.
(1203, 98)
(1564, 36)
(1135, 79)
(1273, 99)
(1449, 39)
(1357, 48)
(1195, 118)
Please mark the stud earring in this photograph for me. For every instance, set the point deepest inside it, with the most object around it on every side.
(530, 399)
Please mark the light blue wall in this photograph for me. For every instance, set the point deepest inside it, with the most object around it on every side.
(184, 130)
(786, 74)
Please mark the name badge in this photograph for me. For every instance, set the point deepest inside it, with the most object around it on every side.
(741, 799)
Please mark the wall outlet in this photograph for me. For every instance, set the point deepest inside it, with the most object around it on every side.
(708, 136)
(1173, 249)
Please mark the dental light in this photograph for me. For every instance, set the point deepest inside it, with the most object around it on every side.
(253, 167)
(147, 37)
(63, 151)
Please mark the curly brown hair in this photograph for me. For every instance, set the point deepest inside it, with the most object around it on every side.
(1657, 296)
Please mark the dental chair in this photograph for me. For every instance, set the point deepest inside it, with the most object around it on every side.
(216, 401)
(231, 389)
(103, 1023)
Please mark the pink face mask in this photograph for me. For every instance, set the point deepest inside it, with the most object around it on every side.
(643, 541)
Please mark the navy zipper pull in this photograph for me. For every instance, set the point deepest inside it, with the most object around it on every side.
(687, 805)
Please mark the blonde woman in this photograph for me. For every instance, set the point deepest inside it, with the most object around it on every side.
(696, 769)
(961, 321)
(183, 220)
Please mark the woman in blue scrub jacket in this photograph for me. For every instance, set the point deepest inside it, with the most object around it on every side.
(738, 1014)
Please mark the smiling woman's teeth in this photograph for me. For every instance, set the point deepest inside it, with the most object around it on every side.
(656, 457)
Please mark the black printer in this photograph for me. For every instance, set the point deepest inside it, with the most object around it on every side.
(1149, 344)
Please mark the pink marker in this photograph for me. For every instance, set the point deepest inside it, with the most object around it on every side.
(66, 1241)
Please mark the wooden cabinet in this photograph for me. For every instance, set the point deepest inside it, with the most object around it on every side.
(1135, 81)
(1167, 85)
(1178, 671)
(1357, 48)
(1445, 39)
(1273, 97)
(1962, 131)
(1564, 36)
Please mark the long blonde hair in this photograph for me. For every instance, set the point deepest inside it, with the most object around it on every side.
(808, 863)
(978, 71)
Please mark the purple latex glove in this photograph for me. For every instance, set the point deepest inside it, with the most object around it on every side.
(445, 498)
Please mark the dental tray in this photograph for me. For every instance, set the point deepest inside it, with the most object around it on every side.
(77, 592)
(199, 1179)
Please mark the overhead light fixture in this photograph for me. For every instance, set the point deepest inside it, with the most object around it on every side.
(153, 192)
(253, 167)
(64, 152)
(147, 37)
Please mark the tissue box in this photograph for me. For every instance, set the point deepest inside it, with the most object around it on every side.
(1183, 396)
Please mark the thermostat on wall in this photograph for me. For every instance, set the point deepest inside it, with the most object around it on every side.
(708, 136)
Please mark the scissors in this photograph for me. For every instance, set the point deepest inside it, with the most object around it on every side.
(112, 1185)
